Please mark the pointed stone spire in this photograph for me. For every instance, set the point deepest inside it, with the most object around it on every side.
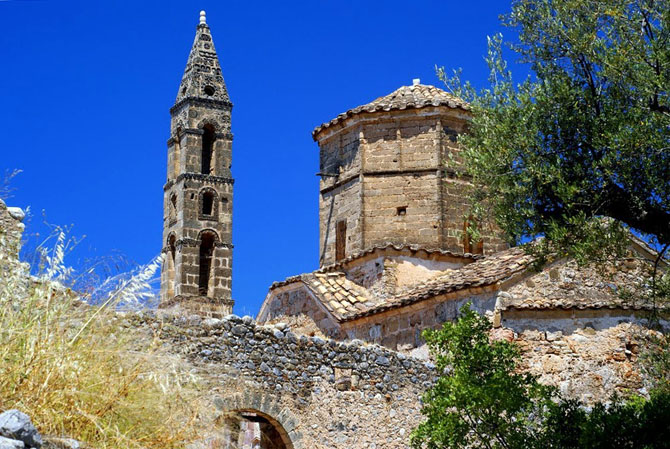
(202, 77)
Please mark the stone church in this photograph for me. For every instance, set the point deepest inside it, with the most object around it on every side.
(334, 348)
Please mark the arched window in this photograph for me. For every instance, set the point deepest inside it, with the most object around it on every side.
(172, 254)
(208, 138)
(208, 199)
(177, 153)
(207, 203)
(207, 240)
(172, 211)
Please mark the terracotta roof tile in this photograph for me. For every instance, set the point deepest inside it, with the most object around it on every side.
(487, 271)
(406, 97)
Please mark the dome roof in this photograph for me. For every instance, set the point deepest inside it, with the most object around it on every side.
(407, 97)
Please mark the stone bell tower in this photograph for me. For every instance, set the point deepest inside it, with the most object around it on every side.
(198, 195)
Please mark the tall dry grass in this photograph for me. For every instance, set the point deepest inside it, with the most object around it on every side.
(77, 371)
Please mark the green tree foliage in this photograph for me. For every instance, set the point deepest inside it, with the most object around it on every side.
(587, 135)
(482, 401)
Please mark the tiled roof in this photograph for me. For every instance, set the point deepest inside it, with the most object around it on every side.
(347, 300)
(387, 248)
(487, 271)
(392, 247)
(611, 301)
(407, 97)
(338, 294)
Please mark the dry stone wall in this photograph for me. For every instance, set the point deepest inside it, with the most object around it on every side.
(322, 393)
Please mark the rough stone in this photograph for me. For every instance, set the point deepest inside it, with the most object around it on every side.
(8, 443)
(17, 425)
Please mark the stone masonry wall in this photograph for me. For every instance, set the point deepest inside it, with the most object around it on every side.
(402, 209)
(322, 393)
(294, 301)
(408, 195)
(400, 329)
(340, 195)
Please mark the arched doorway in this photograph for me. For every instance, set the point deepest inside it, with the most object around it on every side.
(252, 429)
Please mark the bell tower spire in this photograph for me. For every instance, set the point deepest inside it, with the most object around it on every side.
(198, 195)
(202, 77)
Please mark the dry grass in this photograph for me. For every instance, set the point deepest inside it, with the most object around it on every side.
(77, 372)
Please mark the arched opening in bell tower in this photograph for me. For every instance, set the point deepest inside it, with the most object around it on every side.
(176, 163)
(208, 139)
(207, 240)
(172, 254)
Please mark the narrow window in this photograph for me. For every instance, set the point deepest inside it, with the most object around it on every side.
(172, 209)
(402, 210)
(172, 282)
(208, 139)
(177, 152)
(341, 240)
(206, 253)
(207, 203)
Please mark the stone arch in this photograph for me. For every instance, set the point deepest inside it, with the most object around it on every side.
(208, 122)
(267, 407)
(208, 204)
(209, 231)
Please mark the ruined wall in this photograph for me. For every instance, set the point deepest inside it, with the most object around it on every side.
(322, 394)
(14, 272)
(586, 354)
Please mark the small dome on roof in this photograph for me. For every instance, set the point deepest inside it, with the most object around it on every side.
(407, 97)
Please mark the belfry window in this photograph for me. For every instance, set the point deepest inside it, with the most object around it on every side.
(171, 259)
(207, 203)
(177, 153)
(206, 254)
(172, 208)
(208, 138)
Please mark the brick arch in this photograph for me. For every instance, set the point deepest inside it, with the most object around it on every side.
(267, 406)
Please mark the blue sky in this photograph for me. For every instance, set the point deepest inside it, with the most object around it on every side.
(86, 88)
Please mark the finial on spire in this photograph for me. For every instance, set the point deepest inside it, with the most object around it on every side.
(203, 20)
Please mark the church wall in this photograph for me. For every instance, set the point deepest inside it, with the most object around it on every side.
(340, 198)
(400, 329)
(587, 354)
(340, 204)
(294, 301)
(402, 209)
